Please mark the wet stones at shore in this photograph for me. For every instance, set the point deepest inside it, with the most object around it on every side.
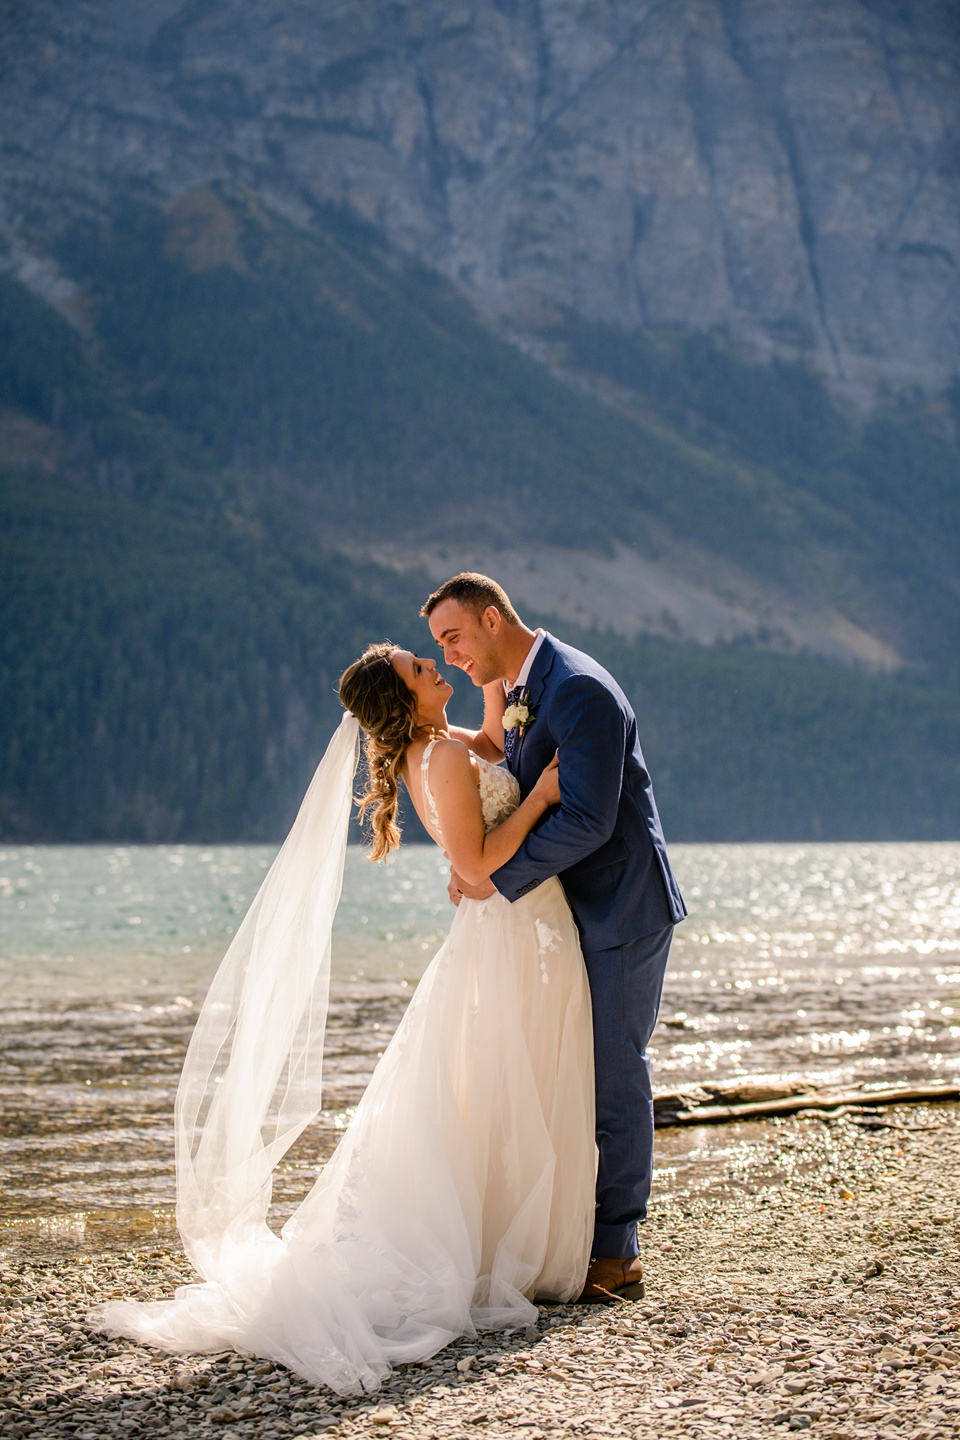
(817, 1288)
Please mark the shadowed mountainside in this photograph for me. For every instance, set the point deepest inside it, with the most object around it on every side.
(264, 439)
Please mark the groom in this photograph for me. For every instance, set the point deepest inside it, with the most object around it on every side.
(605, 843)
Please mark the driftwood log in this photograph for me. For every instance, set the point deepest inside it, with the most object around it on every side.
(752, 1100)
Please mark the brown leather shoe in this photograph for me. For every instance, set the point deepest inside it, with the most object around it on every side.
(612, 1279)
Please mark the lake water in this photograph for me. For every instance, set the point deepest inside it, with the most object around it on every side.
(823, 962)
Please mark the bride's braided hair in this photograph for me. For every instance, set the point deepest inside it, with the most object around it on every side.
(372, 690)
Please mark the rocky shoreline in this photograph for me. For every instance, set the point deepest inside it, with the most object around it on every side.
(815, 1286)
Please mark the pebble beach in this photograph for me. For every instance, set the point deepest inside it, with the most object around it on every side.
(809, 1280)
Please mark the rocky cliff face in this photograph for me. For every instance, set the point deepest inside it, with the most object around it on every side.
(782, 172)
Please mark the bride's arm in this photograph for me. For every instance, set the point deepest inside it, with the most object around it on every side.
(488, 740)
(474, 854)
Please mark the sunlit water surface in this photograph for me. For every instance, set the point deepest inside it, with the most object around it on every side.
(825, 962)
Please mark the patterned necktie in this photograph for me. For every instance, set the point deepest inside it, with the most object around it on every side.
(510, 736)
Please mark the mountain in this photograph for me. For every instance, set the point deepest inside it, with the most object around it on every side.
(304, 307)
(780, 174)
(268, 440)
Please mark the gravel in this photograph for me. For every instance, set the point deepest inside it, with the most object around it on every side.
(816, 1288)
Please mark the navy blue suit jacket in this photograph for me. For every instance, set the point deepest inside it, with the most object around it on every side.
(604, 840)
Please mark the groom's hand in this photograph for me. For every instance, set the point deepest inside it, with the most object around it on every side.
(458, 889)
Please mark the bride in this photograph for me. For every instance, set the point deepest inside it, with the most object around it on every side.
(463, 1188)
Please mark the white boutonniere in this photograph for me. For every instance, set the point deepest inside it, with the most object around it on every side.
(519, 715)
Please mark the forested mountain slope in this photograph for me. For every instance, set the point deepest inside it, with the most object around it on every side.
(223, 476)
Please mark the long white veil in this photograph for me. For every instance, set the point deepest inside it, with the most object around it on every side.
(251, 1079)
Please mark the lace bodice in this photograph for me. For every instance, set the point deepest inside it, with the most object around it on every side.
(499, 793)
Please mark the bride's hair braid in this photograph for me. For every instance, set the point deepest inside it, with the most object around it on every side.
(372, 690)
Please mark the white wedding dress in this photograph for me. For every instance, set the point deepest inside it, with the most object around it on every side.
(463, 1187)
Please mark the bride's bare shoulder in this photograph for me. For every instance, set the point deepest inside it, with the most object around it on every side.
(448, 751)
(446, 754)
(448, 757)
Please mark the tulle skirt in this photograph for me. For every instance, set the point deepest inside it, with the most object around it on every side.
(463, 1187)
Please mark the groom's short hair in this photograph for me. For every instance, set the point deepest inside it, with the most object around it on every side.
(474, 592)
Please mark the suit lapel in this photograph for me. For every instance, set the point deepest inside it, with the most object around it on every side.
(542, 663)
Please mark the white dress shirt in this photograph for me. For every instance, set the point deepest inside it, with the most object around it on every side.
(527, 665)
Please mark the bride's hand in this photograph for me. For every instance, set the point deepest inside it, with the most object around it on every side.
(464, 891)
(548, 786)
